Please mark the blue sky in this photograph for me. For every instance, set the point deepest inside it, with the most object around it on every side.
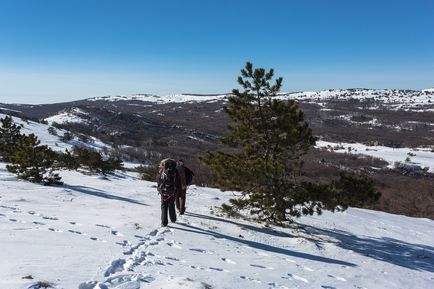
(61, 50)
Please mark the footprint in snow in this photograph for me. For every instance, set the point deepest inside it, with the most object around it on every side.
(174, 244)
(39, 223)
(141, 237)
(55, 230)
(216, 269)
(172, 258)
(116, 233)
(97, 239)
(130, 281)
(124, 243)
(33, 213)
(153, 233)
(251, 279)
(305, 268)
(75, 224)
(50, 218)
(17, 221)
(338, 278)
(295, 277)
(327, 287)
(116, 266)
(201, 251)
(262, 267)
(92, 285)
(103, 226)
(76, 232)
(229, 261)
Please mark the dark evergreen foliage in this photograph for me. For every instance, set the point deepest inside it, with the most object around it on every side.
(67, 136)
(52, 130)
(266, 141)
(67, 160)
(32, 161)
(95, 162)
(149, 173)
(10, 137)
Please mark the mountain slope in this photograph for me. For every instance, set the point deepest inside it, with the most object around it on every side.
(104, 233)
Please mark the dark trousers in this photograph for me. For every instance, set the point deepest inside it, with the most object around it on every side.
(168, 205)
(180, 201)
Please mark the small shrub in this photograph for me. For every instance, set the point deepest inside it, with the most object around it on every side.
(67, 136)
(52, 130)
(149, 173)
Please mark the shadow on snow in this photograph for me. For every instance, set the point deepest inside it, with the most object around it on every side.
(102, 194)
(263, 230)
(261, 246)
(412, 256)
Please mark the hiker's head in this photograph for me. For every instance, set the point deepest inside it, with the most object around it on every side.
(163, 161)
(180, 162)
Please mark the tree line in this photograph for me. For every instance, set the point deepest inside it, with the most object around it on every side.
(32, 161)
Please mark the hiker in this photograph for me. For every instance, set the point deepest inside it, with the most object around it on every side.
(185, 176)
(167, 186)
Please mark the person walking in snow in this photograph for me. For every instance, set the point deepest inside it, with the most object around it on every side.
(185, 176)
(168, 183)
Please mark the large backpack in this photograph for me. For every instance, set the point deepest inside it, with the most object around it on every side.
(167, 181)
(188, 176)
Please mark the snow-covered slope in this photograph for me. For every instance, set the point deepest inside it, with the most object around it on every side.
(73, 115)
(53, 141)
(105, 233)
(423, 157)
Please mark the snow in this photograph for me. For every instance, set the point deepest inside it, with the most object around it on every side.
(424, 157)
(97, 232)
(74, 115)
(173, 98)
(394, 99)
(52, 141)
(104, 232)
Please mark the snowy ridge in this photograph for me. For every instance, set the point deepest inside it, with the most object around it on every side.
(428, 90)
(73, 115)
(394, 98)
(400, 99)
(174, 98)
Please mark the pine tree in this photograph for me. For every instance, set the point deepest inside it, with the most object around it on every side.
(67, 160)
(95, 162)
(10, 136)
(33, 160)
(265, 144)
